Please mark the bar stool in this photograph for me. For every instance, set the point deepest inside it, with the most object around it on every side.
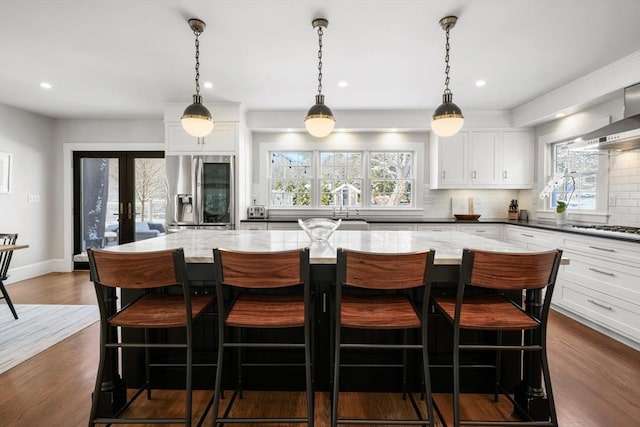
(5, 260)
(265, 291)
(496, 311)
(372, 293)
(165, 302)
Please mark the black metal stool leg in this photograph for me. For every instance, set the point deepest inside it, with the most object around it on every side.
(498, 368)
(5, 295)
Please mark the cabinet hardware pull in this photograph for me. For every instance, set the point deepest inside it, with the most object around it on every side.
(504, 174)
(606, 307)
(481, 231)
(443, 174)
(527, 235)
(602, 272)
(474, 174)
(324, 302)
(602, 249)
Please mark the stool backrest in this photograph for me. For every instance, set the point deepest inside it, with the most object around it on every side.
(5, 257)
(262, 270)
(510, 271)
(137, 270)
(390, 271)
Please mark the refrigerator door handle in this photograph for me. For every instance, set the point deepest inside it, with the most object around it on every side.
(197, 182)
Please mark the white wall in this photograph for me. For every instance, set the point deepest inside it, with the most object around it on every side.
(85, 135)
(623, 171)
(28, 138)
(493, 203)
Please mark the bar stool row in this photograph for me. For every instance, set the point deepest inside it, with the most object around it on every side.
(272, 291)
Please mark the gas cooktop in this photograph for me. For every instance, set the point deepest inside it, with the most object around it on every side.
(611, 230)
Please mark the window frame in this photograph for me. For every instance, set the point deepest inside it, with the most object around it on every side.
(392, 142)
(602, 184)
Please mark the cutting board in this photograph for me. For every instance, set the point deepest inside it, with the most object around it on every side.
(462, 205)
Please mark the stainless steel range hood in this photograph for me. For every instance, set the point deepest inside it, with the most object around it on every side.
(621, 135)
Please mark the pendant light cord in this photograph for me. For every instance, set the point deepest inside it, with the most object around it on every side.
(197, 34)
(320, 33)
(446, 60)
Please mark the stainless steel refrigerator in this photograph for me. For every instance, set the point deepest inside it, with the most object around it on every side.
(201, 191)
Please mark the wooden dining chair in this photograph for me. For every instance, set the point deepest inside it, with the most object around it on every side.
(490, 298)
(263, 292)
(165, 302)
(5, 260)
(374, 292)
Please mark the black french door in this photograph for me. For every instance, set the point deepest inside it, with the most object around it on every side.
(118, 197)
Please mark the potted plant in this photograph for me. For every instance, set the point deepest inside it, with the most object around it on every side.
(561, 205)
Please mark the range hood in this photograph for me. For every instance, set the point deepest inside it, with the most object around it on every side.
(621, 135)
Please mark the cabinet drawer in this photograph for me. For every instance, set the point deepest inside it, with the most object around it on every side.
(253, 226)
(615, 250)
(532, 238)
(391, 227)
(602, 275)
(491, 231)
(436, 227)
(612, 313)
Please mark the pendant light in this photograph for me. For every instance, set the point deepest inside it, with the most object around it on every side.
(447, 119)
(320, 121)
(196, 119)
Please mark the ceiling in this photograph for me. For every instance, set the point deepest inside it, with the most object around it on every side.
(128, 58)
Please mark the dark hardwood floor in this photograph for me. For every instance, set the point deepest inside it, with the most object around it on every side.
(596, 379)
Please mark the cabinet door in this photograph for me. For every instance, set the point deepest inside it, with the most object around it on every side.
(483, 156)
(221, 140)
(517, 159)
(452, 161)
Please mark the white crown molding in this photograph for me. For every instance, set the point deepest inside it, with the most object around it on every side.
(599, 86)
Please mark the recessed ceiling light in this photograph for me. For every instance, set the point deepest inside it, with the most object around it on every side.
(342, 83)
(45, 85)
(481, 83)
(560, 115)
(208, 85)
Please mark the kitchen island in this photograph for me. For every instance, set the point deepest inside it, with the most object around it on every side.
(198, 245)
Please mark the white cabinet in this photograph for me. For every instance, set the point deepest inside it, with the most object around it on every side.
(221, 140)
(283, 226)
(436, 227)
(491, 231)
(253, 225)
(517, 160)
(380, 226)
(532, 238)
(482, 159)
(449, 161)
(601, 284)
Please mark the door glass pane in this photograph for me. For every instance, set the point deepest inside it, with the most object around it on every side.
(99, 205)
(216, 193)
(150, 197)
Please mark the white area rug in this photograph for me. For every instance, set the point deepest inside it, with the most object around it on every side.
(39, 327)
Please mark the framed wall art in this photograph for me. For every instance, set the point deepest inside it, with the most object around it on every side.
(5, 172)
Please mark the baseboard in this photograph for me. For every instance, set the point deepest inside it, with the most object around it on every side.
(30, 271)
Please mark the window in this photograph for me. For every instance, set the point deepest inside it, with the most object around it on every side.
(291, 174)
(391, 178)
(584, 167)
(340, 179)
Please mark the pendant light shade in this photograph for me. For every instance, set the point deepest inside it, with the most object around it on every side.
(320, 121)
(447, 119)
(196, 119)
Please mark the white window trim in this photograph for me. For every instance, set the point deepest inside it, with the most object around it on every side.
(544, 211)
(336, 145)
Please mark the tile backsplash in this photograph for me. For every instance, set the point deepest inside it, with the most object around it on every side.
(624, 188)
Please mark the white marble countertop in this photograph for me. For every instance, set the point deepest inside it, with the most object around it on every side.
(198, 244)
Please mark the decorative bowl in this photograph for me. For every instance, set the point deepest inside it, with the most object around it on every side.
(319, 229)
(467, 217)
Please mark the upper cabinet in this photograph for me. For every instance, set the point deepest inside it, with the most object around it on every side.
(222, 140)
(482, 159)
